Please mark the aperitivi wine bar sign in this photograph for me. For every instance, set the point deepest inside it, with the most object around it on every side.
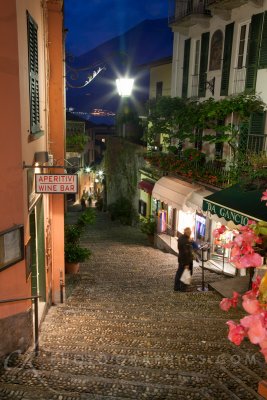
(54, 183)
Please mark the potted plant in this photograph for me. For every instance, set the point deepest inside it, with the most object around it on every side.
(148, 226)
(74, 253)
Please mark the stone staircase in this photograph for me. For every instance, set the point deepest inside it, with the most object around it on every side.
(124, 334)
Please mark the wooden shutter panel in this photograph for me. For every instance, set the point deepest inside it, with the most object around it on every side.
(263, 49)
(227, 54)
(253, 51)
(256, 131)
(187, 46)
(205, 37)
(33, 74)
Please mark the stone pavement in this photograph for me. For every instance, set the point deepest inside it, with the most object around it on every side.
(124, 334)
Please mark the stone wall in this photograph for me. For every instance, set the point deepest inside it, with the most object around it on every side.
(16, 333)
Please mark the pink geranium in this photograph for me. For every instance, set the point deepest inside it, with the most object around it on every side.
(255, 328)
(264, 197)
(236, 332)
(251, 303)
(226, 303)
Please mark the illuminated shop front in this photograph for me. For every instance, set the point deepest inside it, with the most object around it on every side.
(180, 207)
(231, 207)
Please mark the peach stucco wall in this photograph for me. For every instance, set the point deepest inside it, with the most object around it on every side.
(57, 134)
(12, 279)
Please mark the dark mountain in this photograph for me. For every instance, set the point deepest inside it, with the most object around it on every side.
(146, 42)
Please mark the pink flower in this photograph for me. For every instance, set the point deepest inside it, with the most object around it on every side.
(264, 197)
(255, 330)
(236, 332)
(226, 303)
(247, 260)
(251, 304)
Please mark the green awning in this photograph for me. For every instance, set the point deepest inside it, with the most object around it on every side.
(237, 205)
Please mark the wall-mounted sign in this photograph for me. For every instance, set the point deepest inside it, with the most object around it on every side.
(54, 183)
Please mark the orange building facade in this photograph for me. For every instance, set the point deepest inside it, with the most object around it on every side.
(32, 101)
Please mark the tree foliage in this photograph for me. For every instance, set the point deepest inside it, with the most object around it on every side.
(181, 118)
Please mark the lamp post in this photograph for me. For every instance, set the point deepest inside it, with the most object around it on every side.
(125, 88)
(204, 257)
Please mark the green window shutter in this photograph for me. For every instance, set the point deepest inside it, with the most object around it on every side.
(187, 46)
(205, 38)
(256, 131)
(263, 49)
(253, 51)
(33, 74)
(227, 54)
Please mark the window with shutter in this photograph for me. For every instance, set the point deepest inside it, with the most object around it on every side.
(263, 49)
(33, 74)
(227, 54)
(205, 37)
(253, 51)
(256, 132)
(159, 88)
(252, 134)
(187, 46)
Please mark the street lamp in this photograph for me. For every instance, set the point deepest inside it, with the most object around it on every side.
(125, 88)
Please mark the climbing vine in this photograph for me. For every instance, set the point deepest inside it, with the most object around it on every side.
(182, 118)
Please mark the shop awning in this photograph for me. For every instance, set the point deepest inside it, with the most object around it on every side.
(173, 191)
(145, 185)
(195, 199)
(237, 205)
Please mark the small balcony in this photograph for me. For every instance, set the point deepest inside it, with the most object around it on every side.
(186, 13)
(214, 5)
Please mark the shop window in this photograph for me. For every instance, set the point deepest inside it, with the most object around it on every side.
(200, 227)
(142, 208)
(216, 50)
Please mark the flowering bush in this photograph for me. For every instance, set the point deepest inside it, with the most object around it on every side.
(254, 301)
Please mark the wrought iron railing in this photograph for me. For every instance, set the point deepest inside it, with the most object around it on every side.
(178, 9)
(36, 324)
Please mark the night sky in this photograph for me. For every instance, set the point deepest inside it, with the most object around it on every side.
(92, 22)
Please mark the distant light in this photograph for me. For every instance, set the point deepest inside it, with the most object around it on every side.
(125, 86)
(87, 169)
(100, 172)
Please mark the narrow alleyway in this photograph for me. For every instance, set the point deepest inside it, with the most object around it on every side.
(124, 334)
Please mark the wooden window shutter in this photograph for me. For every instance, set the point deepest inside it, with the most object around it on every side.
(253, 51)
(263, 49)
(187, 46)
(33, 74)
(227, 54)
(205, 37)
(256, 131)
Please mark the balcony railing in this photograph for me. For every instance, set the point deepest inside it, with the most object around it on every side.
(228, 4)
(212, 172)
(253, 143)
(179, 9)
(239, 80)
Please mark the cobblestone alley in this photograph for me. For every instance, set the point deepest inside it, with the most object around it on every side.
(124, 334)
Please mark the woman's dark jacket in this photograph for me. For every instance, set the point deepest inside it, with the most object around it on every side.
(185, 256)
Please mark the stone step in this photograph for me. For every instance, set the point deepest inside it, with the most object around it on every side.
(238, 378)
(188, 385)
(15, 392)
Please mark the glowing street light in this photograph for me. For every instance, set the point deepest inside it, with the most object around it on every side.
(125, 86)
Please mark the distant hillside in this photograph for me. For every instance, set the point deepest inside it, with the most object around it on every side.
(146, 42)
